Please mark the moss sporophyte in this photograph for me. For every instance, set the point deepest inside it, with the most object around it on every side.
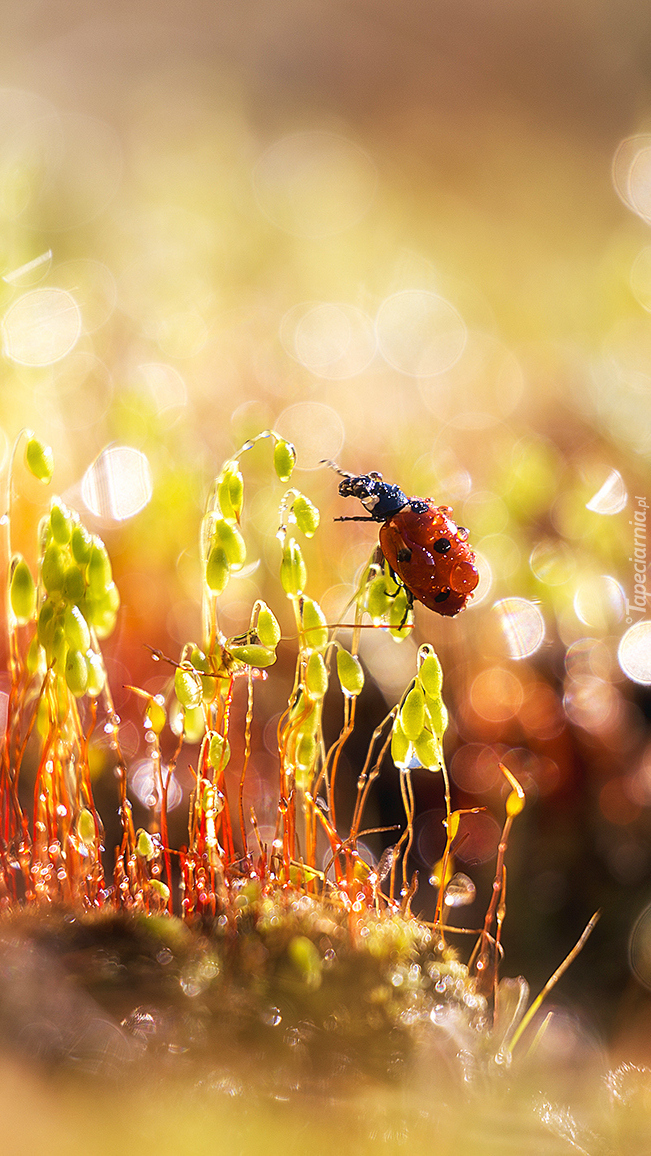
(295, 920)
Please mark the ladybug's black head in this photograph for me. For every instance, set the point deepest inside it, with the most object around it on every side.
(380, 499)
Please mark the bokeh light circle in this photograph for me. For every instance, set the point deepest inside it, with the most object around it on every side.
(419, 333)
(611, 498)
(314, 184)
(118, 484)
(641, 278)
(599, 602)
(316, 430)
(522, 624)
(333, 341)
(41, 327)
(634, 652)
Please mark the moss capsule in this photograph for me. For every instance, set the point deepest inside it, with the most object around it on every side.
(400, 617)
(230, 493)
(431, 675)
(187, 685)
(73, 587)
(22, 592)
(217, 570)
(155, 716)
(314, 624)
(316, 675)
(377, 599)
(252, 655)
(53, 568)
(60, 525)
(99, 569)
(293, 574)
(412, 714)
(219, 752)
(351, 674)
(267, 627)
(231, 542)
(400, 746)
(306, 514)
(145, 845)
(81, 543)
(76, 629)
(96, 674)
(437, 716)
(284, 459)
(86, 826)
(76, 670)
(39, 459)
(428, 751)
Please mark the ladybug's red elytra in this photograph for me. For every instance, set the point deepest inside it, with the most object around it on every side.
(424, 547)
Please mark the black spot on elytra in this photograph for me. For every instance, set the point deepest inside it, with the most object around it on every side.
(442, 546)
(404, 554)
(442, 596)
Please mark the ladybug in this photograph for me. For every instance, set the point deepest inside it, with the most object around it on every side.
(424, 547)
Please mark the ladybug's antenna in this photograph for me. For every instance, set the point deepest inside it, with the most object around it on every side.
(338, 470)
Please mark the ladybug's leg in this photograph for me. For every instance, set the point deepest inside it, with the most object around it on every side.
(410, 606)
(357, 519)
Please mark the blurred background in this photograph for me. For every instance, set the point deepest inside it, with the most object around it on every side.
(414, 239)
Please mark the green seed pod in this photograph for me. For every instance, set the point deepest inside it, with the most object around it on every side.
(400, 746)
(253, 655)
(219, 752)
(267, 627)
(428, 751)
(32, 660)
(101, 612)
(217, 570)
(96, 674)
(437, 716)
(161, 889)
(39, 459)
(187, 685)
(86, 826)
(400, 616)
(314, 624)
(99, 569)
(76, 629)
(194, 724)
(144, 845)
(351, 675)
(45, 624)
(431, 675)
(230, 493)
(377, 601)
(306, 960)
(156, 716)
(231, 542)
(60, 525)
(306, 514)
(81, 543)
(316, 676)
(199, 660)
(53, 567)
(22, 592)
(412, 714)
(293, 574)
(284, 459)
(76, 672)
(59, 648)
(74, 586)
(306, 751)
